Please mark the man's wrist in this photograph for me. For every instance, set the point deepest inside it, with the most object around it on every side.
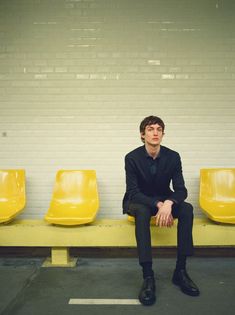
(169, 202)
(159, 203)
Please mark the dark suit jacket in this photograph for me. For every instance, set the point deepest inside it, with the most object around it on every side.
(144, 187)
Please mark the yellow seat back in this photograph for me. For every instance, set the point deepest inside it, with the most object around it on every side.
(75, 198)
(217, 194)
(12, 193)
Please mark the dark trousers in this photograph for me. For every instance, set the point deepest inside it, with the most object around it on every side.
(142, 214)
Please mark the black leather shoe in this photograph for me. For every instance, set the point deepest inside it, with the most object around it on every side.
(187, 286)
(147, 292)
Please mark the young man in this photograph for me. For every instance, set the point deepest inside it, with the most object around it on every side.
(149, 171)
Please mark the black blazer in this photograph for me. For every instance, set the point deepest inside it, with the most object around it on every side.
(144, 187)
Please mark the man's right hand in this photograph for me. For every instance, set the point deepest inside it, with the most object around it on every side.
(164, 216)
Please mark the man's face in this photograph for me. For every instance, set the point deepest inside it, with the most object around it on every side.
(153, 135)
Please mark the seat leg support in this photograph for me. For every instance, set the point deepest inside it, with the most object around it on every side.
(60, 258)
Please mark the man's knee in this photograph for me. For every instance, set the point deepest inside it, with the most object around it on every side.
(186, 210)
(140, 211)
(183, 210)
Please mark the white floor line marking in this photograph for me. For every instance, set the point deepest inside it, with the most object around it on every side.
(104, 301)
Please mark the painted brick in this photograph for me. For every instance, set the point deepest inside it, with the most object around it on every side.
(77, 77)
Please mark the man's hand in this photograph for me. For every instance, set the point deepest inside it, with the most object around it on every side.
(164, 216)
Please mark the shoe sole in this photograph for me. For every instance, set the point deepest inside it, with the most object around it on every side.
(148, 303)
(184, 291)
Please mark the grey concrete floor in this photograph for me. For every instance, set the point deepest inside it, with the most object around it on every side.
(27, 288)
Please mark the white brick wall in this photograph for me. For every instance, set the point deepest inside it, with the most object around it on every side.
(77, 77)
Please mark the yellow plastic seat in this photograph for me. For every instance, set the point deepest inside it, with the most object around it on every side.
(75, 198)
(217, 194)
(12, 194)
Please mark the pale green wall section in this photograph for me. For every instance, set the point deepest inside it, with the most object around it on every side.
(76, 78)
